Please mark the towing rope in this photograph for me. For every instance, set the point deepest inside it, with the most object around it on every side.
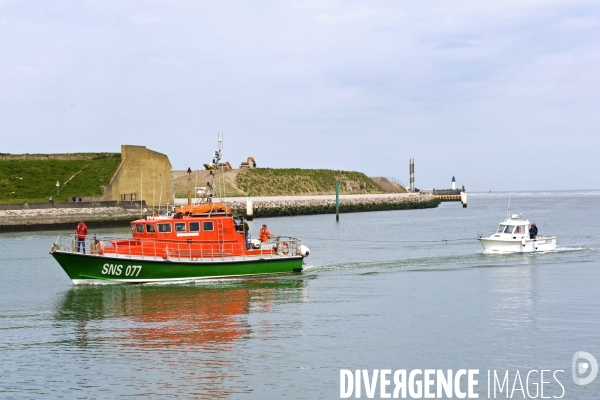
(391, 241)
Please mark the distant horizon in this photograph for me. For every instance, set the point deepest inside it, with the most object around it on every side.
(476, 191)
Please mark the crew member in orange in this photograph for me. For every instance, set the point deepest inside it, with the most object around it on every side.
(81, 233)
(264, 234)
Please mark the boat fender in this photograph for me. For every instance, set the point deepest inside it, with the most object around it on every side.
(523, 243)
(285, 248)
(303, 251)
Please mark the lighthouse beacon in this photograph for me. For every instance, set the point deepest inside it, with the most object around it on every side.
(453, 183)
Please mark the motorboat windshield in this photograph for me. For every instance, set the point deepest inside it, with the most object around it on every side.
(509, 229)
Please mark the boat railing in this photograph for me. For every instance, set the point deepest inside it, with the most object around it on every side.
(484, 234)
(279, 246)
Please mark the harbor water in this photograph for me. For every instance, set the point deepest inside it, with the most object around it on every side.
(394, 290)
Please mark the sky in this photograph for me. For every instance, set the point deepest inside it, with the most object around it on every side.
(504, 95)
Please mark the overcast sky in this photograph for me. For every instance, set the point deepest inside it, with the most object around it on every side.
(504, 94)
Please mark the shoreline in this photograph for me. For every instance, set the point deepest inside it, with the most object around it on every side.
(59, 216)
(65, 215)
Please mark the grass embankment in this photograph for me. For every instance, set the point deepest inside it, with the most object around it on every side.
(224, 183)
(295, 181)
(35, 180)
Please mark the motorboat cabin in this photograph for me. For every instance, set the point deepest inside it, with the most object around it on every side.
(512, 236)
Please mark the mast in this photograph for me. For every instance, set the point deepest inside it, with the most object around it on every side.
(217, 158)
(189, 172)
(222, 191)
(211, 184)
(159, 199)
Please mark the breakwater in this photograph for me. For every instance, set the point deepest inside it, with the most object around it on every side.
(65, 215)
(279, 208)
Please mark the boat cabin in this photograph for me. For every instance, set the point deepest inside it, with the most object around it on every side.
(205, 222)
(514, 227)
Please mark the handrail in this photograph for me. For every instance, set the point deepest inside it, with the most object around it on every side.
(167, 249)
(484, 234)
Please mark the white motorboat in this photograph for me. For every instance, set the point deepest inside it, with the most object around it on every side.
(512, 236)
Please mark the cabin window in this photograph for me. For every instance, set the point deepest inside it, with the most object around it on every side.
(520, 229)
(207, 226)
(179, 226)
(501, 228)
(509, 229)
(164, 228)
(139, 228)
(194, 226)
(150, 228)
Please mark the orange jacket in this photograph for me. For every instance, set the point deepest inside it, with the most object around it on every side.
(264, 234)
(81, 230)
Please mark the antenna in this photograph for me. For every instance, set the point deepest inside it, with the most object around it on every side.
(160, 200)
(189, 172)
(222, 188)
(508, 211)
(153, 185)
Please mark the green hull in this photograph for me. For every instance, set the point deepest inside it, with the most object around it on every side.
(85, 268)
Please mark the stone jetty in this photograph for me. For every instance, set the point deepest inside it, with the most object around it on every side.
(307, 205)
(65, 215)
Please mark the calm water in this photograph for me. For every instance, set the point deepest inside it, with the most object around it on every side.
(379, 295)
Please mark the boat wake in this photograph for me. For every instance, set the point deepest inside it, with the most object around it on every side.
(540, 193)
(481, 259)
(565, 249)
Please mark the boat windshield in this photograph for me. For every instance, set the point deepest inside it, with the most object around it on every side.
(520, 229)
(505, 229)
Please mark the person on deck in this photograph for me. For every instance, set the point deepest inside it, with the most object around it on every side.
(246, 231)
(533, 231)
(264, 234)
(81, 231)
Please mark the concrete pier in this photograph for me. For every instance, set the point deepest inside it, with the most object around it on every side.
(66, 215)
(325, 204)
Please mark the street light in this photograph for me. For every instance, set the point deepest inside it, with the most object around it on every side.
(58, 188)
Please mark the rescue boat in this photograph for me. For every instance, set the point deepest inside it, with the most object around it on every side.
(197, 241)
(512, 236)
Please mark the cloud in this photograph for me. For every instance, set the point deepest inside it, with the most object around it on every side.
(343, 17)
(310, 84)
(145, 19)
